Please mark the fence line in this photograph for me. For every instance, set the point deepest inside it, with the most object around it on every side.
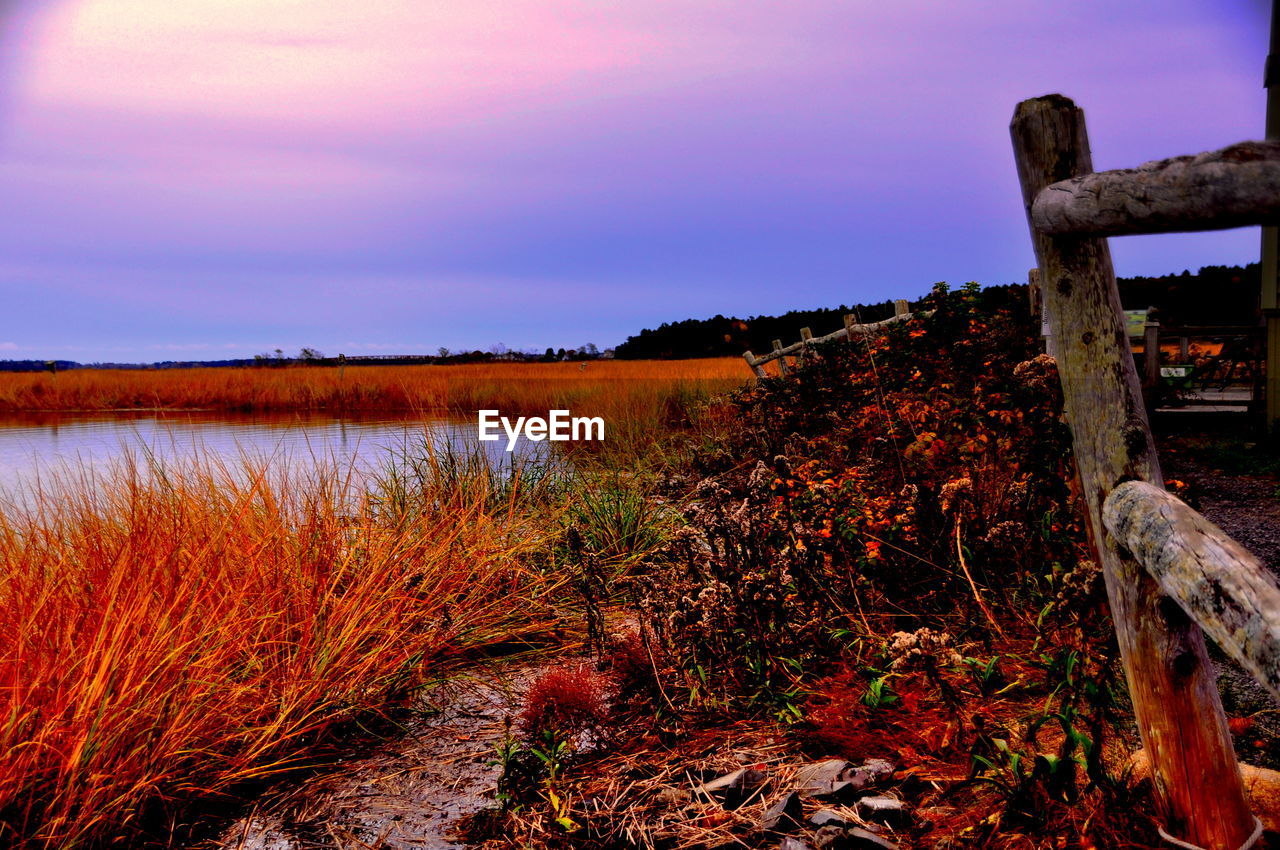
(798, 350)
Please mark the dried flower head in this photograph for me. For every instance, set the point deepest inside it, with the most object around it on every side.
(954, 493)
(923, 648)
(568, 700)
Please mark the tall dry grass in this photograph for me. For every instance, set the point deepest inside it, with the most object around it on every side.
(602, 387)
(167, 634)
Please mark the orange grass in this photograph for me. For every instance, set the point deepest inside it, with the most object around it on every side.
(165, 635)
(599, 388)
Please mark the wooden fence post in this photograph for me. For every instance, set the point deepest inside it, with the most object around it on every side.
(782, 358)
(1151, 353)
(901, 308)
(1270, 249)
(850, 322)
(806, 337)
(1175, 698)
(1046, 331)
(755, 367)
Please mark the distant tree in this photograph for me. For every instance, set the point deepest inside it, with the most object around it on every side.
(307, 355)
(442, 352)
(590, 350)
(1224, 295)
(560, 355)
(549, 355)
(1214, 295)
(37, 365)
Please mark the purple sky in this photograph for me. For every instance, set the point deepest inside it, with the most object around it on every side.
(216, 179)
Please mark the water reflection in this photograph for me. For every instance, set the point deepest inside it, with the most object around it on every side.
(36, 448)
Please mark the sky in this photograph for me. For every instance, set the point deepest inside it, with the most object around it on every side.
(214, 179)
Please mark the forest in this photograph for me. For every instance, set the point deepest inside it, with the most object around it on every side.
(1179, 299)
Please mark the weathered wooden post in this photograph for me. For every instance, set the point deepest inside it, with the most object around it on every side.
(1270, 254)
(806, 337)
(755, 367)
(1176, 702)
(1046, 332)
(1184, 349)
(850, 322)
(1033, 291)
(782, 358)
(1151, 353)
(901, 308)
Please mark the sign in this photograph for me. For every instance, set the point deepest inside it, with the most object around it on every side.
(1137, 323)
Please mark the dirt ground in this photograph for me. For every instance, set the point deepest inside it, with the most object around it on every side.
(406, 792)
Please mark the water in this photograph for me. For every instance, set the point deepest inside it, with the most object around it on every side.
(38, 448)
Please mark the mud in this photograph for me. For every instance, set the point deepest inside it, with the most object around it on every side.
(407, 792)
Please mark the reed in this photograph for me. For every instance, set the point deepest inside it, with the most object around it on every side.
(598, 388)
(167, 634)
(171, 632)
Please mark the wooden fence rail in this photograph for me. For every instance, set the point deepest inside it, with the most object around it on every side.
(798, 350)
(1176, 703)
(1214, 579)
(1232, 187)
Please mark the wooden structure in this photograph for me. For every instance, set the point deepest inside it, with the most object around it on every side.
(1240, 349)
(1270, 296)
(851, 330)
(1146, 542)
(1237, 363)
(1224, 588)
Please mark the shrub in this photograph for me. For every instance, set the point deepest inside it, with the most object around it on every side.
(568, 701)
(878, 489)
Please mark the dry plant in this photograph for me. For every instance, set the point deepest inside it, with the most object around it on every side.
(169, 633)
(625, 390)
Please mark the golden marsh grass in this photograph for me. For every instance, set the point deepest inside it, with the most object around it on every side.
(599, 388)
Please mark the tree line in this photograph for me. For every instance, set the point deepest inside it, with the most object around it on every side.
(1215, 295)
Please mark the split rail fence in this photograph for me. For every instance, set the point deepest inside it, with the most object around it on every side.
(1171, 575)
(803, 348)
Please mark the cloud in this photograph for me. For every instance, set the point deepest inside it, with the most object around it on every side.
(8, 346)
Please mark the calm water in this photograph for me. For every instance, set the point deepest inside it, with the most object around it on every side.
(37, 448)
